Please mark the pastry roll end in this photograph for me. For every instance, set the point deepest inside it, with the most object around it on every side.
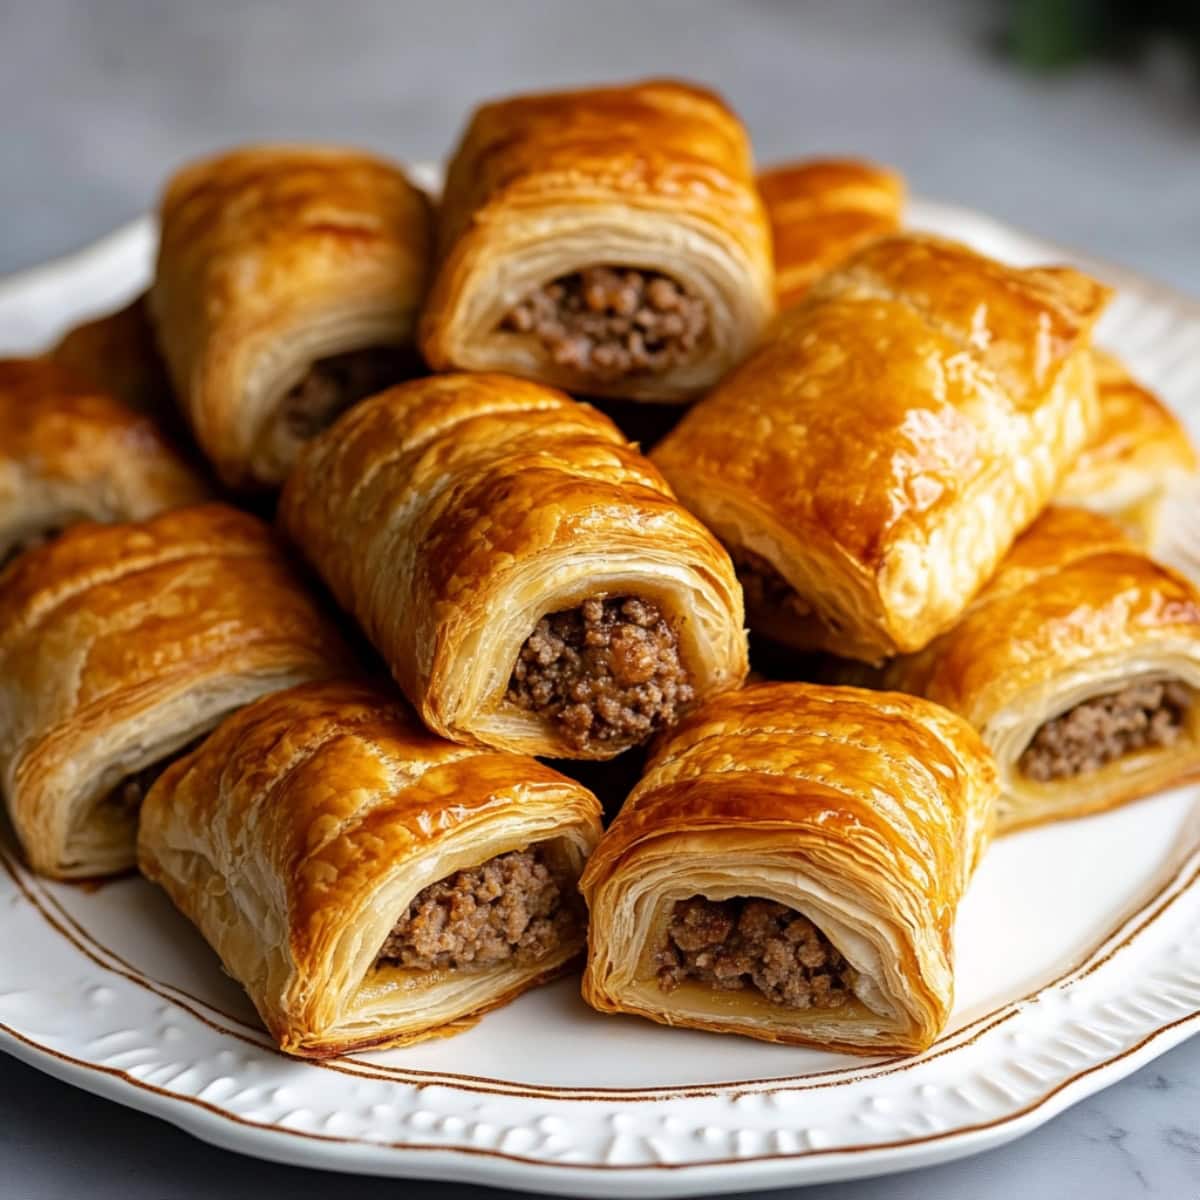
(71, 452)
(1079, 664)
(287, 288)
(789, 867)
(526, 573)
(367, 882)
(608, 241)
(120, 646)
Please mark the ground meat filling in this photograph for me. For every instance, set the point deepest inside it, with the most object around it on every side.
(334, 384)
(747, 943)
(608, 322)
(765, 589)
(512, 908)
(1106, 728)
(607, 671)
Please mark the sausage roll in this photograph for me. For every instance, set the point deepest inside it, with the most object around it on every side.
(70, 452)
(1139, 458)
(789, 868)
(287, 289)
(122, 644)
(873, 462)
(1079, 664)
(118, 353)
(526, 573)
(608, 241)
(367, 882)
(821, 211)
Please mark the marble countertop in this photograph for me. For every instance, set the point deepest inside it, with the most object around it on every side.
(98, 101)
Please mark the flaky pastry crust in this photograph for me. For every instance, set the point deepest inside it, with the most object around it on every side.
(1139, 458)
(655, 176)
(823, 210)
(1075, 612)
(121, 644)
(296, 837)
(450, 514)
(866, 812)
(71, 452)
(117, 352)
(888, 443)
(271, 259)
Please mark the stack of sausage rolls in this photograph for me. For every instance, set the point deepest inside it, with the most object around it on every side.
(352, 432)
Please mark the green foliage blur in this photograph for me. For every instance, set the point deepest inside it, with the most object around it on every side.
(1048, 35)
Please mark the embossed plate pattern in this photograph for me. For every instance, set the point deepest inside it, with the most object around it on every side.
(1078, 951)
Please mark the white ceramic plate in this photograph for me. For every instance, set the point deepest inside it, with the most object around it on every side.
(1078, 960)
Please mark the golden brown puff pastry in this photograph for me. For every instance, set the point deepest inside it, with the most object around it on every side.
(122, 644)
(117, 352)
(789, 868)
(527, 575)
(1079, 664)
(873, 462)
(1138, 460)
(287, 288)
(70, 452)
(823, 210)
(609, 241)
(367, 882)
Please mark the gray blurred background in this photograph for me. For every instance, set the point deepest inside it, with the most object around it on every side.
(99, 99)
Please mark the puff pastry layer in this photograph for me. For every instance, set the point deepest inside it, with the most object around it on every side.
(861, 813)
(1078, 623)
(275, 264)
(450, 515)
(300, 834)
(1140, 456)
(118, 353)
(121, 644)
(70, 452)
(821, 211)
(653, 178)
(874, 461)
